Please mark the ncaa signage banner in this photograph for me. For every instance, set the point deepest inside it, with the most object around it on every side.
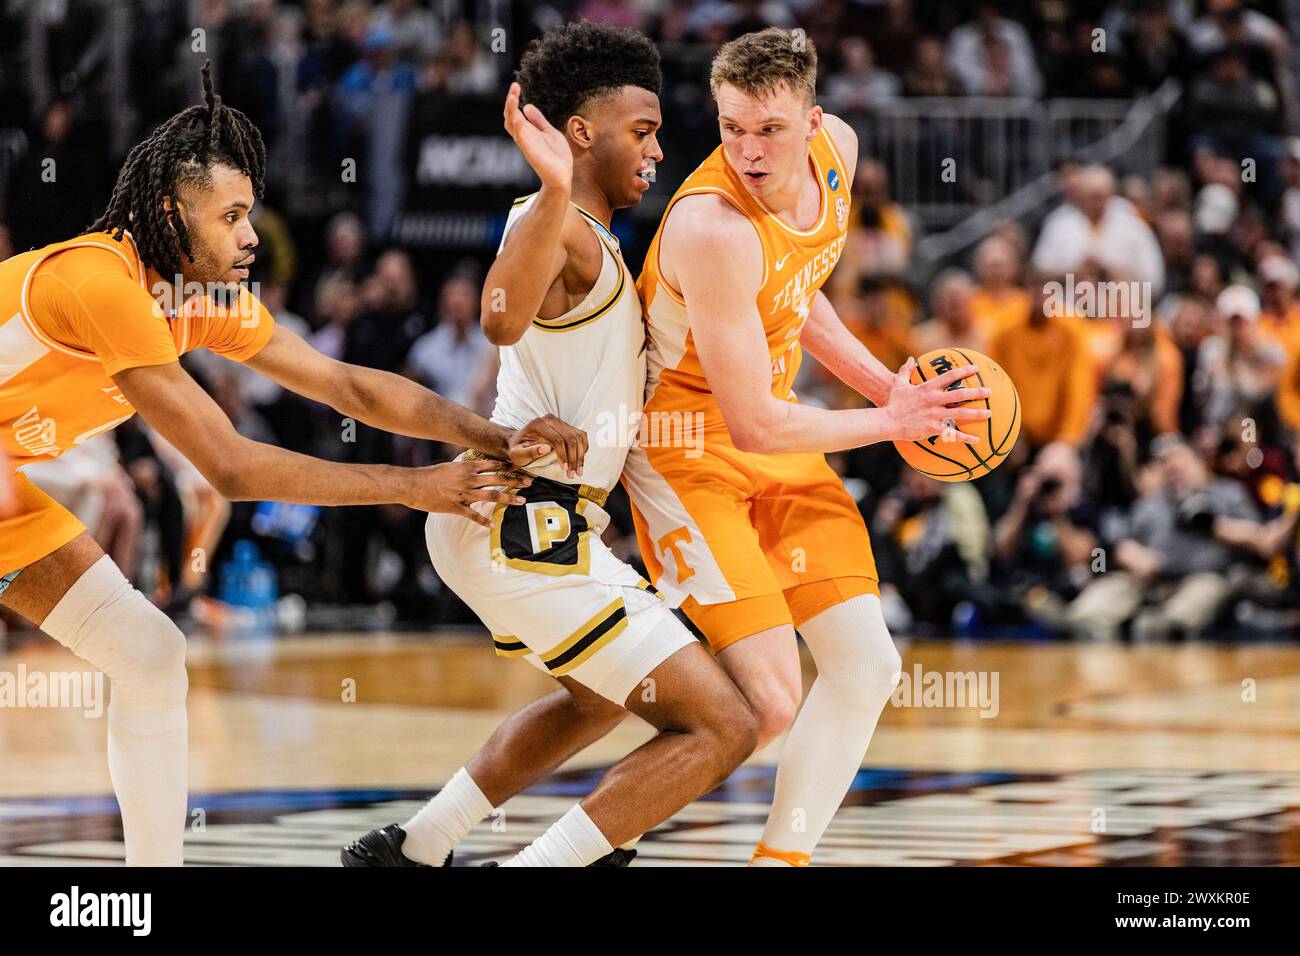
(463, 172)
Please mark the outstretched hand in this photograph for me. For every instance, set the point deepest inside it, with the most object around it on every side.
(544, 146)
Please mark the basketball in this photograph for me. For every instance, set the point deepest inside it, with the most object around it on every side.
(955, 461)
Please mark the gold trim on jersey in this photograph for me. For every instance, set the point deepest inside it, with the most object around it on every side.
(564, 325)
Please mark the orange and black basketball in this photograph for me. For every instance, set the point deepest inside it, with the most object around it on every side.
(955, 461)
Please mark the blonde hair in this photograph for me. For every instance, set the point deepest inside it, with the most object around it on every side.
(761, 63)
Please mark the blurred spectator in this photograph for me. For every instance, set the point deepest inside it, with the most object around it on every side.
(621, 13)
(1172, 568)
(953, 324)
(1089, 68)
(345, 258)
(1151, 367)
(374, 97)
(993, 56)
(1045, 354)
(1234, 114)
(1099, 225)
(382, 335)
(1154, 48)
(54, 191)
(1290, 204)
(1044, 542)
(448, 358)
(1280, 316)
(928, 74)
(859, 86)
(897, 37)
(879, 243)
(1238, 369)
(1177, 241)
(933, 542)
(461, 65)
(416, 32)
(999, 300)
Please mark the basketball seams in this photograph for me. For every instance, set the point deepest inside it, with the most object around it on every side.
(997, 450)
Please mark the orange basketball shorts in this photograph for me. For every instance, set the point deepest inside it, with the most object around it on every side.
(38, 526)
(743, 542)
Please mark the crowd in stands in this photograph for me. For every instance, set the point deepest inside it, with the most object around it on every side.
(1151, 323)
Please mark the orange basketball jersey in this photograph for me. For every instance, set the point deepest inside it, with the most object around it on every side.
(75, 313)
(795, 265)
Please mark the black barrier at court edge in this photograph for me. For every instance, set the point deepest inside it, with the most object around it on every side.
(921, 906)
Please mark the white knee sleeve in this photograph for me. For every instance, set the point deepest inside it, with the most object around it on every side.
(106, 621)
(853, 651)
(109, 623)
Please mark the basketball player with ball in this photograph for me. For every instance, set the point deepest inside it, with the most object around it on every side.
(756, 536)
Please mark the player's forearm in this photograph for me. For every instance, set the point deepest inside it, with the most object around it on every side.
(516, 284)
(784, 427)
(260, 472)
(826, 339)
(398, 405)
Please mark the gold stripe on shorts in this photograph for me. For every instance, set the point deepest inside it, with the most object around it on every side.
(604, 626)
(506, 646)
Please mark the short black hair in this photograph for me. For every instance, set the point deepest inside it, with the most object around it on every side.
(182, 151)
(572, 65)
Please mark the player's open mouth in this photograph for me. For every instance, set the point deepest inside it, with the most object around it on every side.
(647, 172)
(755, 178)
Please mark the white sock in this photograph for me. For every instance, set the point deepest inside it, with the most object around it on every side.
(443, 822)
(857, 669)
(113, 626)
(573, 840)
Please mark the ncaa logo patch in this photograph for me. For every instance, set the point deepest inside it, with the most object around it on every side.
(833, 178)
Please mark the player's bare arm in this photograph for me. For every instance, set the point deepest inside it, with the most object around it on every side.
(522, 286)
(242, 469)
(826, 339)
(824, 336)
(713, 256)
(397, 404)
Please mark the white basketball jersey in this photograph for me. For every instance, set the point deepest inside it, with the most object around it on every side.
(586, 367)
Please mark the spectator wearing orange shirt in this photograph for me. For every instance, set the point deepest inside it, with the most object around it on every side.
(1151, 365)
(1047, 358)
(998, 300)
(954, 324)
(1279, 317)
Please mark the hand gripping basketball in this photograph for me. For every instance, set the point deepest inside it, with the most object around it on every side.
(961, 413)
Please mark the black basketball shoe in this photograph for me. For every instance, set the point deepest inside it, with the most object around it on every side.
(381, 847)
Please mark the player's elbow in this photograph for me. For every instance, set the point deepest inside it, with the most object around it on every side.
(753, 433)
(500, 329)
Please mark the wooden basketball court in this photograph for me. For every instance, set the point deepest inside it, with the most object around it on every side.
(1076, 755)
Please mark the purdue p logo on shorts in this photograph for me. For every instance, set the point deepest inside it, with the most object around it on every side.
(546, 535)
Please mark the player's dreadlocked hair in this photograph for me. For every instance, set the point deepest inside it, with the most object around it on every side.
(573, 65)
(180, 152)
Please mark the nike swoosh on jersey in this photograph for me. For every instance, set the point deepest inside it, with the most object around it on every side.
(780, 262)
